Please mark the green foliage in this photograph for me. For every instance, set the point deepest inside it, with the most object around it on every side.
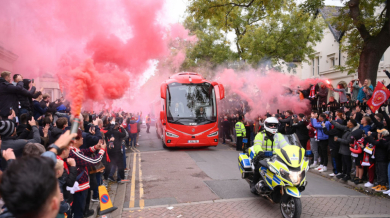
(211, 49)
(264, 30)
(372, 17)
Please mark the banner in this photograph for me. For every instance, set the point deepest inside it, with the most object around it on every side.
(379, 96)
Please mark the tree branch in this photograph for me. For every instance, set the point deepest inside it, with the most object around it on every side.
(234, 4)
(357, 20)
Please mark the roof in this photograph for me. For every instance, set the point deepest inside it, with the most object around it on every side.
(329, 12)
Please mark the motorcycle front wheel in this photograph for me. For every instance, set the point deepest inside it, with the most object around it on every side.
(291, 207)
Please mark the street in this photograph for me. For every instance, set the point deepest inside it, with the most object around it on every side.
(206, 183)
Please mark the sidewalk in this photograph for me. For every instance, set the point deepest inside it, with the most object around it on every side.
(312, 206)
(359, 187)
(117, 194)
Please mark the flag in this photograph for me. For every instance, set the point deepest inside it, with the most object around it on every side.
(380, 95)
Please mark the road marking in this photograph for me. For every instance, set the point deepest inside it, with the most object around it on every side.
(132, 192)
(141, 187)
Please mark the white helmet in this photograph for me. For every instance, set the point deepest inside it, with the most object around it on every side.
(271, 125)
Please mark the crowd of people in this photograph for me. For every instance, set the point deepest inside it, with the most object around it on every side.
(356, 139)
(45, 170)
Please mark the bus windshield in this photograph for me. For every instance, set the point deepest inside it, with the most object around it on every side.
(191, 104)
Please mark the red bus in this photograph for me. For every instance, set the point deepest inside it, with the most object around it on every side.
(187, 111)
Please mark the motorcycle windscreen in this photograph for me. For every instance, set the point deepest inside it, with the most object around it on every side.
(282, 140)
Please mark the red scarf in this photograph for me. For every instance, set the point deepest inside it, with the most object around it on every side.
(65, 164)
(312, 92)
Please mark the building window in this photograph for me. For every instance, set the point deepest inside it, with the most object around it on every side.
(383, 57)
(313, 66)
(332, 62)
(318, 65)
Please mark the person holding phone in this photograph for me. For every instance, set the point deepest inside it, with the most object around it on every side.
(116, 136)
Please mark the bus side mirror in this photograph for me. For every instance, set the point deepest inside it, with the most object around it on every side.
(162, 118)
(163, 91)
(221, 91)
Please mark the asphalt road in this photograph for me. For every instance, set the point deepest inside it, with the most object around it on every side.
(174, 176)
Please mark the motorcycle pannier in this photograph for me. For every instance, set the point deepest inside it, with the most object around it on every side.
(244, 162)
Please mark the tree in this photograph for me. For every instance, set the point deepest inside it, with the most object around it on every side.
(264, 30)
(210, 51)
(366, 27)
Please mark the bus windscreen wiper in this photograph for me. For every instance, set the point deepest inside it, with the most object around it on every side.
(203, 119)
(177, 120)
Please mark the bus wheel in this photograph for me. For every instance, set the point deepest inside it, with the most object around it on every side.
(163, 144)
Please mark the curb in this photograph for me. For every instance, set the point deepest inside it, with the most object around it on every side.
(360, 187)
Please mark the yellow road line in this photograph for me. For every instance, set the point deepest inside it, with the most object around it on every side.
(141, 187)
(132, 192)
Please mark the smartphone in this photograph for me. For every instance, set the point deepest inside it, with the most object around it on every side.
(32, 80)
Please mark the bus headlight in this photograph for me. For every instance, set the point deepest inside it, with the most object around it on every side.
(213, 134)
(171, 135)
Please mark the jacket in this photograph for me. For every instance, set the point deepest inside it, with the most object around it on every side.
(381, 147)
(8, 96)
(346, 138)
(355, 91)
(376, 124)
(322, 95)
(240, 129)
(332, 133)
(18, 145)
(26, 100)
(358, 117)
(263, 143)
(226, 126)
(38, 111)
(68, 178)
(117, 141)
(320, 132)
(342, 94)
(361, 93)
(6, 214)
(301, 130)
(55, 134)
(134, 125)
(90, 140)
(83, 161)
(366, 128)
(283, 124)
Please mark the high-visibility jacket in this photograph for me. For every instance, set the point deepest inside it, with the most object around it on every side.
(148, 120)
(240, 129)
(263, 143)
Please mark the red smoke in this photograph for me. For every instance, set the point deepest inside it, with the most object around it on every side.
(94, 47)
(266, 92)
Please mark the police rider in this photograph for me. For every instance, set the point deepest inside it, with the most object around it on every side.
(264, 141)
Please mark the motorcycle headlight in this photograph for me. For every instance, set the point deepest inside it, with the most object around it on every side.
(295, 177)
(282, 172)
(213, 134)
(171, 135)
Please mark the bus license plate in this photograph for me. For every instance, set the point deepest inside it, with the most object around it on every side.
(193, 141)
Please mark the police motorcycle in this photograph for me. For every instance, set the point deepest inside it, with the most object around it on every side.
(283, 174)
